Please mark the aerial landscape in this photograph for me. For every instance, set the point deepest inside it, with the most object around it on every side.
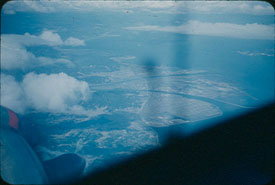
(108, 80)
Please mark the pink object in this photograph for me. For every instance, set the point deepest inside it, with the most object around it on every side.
(13, 120)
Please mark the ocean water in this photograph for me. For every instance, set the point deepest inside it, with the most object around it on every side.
(128, 78)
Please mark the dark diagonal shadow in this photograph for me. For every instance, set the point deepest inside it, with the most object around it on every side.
(237, 151)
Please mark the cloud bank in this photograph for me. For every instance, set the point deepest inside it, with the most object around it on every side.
(251, 54)
(71, 41)
(123, 58)
(12, 94)
(50, 37)
(14, 54)
(243, 31)
(55, 93)
(176, 7)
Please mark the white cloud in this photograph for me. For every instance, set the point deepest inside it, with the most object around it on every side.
(247, 53)
(71, 41)
(28, 6)
(52, 37)
(12, 95)
(45, 6)
(49, 61)
(39, 6)
(123, 58)
(14, 54)
(235, 7)
(244, 31)
(55, 93)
